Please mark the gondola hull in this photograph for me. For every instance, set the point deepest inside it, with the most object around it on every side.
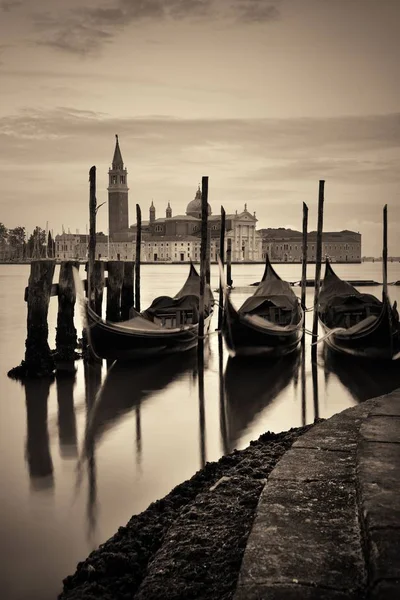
(112, 342)
(245, 338)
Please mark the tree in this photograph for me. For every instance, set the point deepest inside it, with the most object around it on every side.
(50, 246)
(3, 241)
(37, 243)
(16, 240)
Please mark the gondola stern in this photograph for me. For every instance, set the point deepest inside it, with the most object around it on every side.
(269, 271)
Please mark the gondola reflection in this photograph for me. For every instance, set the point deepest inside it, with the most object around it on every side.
(124, 389)
(250, 387)
(38, 456)
(363, 378)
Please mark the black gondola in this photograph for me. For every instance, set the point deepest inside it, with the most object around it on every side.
(168, 326)
(270, 322)
(357, 324)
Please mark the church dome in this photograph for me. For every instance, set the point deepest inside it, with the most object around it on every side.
(193, 209)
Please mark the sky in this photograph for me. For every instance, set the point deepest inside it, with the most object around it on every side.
(266, 97)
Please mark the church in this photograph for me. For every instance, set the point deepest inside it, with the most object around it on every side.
(174, 238)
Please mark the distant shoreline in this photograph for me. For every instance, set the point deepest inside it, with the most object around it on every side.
(187, 262)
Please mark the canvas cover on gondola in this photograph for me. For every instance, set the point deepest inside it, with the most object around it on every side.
(271, 291)
(186, 299)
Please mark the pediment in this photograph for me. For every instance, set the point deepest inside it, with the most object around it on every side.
(246, 216)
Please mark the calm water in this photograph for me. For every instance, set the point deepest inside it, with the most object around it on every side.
(148, 428)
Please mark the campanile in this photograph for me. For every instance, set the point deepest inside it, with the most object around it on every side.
(118, 220)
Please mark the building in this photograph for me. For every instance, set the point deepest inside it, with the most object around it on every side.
(285, 245)
(177, 238)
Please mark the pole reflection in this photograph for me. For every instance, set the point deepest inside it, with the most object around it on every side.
(303, 383)
(202, 416)
(252, 385)
(67, 434)
(37, 455)
(314, 373)
(92, 385)
(222, 400)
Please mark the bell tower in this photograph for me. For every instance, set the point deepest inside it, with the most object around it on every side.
(118, 220)
(152, 212)
(168, 212)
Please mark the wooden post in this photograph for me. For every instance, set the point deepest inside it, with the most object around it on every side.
(66, 338)
(385, 253)
(318, 267)
(137, 258)
(229, 263)
(222, 258)
(38, 361)
(203, 255)
(98, 282)
(92, 236)
(114, 286)
(304, 261)
(208, 255)
(127, 300)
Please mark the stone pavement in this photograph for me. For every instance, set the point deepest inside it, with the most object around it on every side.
(327, 525)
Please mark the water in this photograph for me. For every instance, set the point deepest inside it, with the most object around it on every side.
(150, 430)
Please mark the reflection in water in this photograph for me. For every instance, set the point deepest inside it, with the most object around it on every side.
(251, 385)
(38, 455)
(303, 382)
(202, 415)
(222, 401)
(92, 385)
(126, 386)
(363, 378)
(314, 371)
(66, 414)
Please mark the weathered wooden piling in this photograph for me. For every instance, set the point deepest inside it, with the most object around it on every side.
(208, 255)
(222, 259)
(318, 261)
(98, 285)
(137, 258)
(229, 264)
(203, 257)
(127, 298)
(66, 337)
(38, 357)
(114, 287)
(92, 235)
(304, 262)
(385, 252)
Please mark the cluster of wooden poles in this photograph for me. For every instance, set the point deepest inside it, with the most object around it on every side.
(123, 288)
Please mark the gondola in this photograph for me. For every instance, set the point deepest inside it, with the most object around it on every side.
(357, 324)
(270, 322)
(169, 325)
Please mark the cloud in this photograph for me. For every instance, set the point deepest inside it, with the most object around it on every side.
(86, 29)
(351, 150)
(256, 11)
(9, 5)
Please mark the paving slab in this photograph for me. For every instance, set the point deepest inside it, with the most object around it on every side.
(378, 428)
(315, 464)
(291, 592)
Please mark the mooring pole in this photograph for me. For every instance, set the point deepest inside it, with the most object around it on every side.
(229, 264)
(39, 360)
(203, 255)
(222, 258)
(92, 236)
(98, 278)
(127, 300)
(66, 338)
(114, 287)
(385, 252)
(137, 258)
(318, 267)
(304, 261)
